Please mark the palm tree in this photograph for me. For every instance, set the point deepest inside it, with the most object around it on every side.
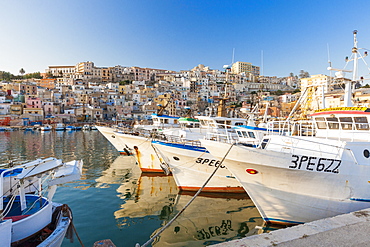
(21, 71)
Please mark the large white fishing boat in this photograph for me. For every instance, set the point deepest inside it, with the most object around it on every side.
(191, 164)
(110, 134)
(310, 170)
(137, 141)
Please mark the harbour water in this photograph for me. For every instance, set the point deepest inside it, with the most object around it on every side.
(113, 200)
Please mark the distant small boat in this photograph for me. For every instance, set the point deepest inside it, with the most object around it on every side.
(46, 128)
(60, 127)
(70, 127)
(86, 127)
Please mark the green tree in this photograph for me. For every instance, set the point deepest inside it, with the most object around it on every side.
(125, 82)
(6, 75)
(35, 75)
(303, 74)
(49, 75)
(279, 92)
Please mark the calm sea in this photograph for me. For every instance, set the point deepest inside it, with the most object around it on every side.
(113, 200)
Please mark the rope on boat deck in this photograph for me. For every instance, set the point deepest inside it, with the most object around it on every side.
(183, 209)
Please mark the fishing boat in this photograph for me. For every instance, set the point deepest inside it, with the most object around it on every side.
(137, 141)
(60, 127)
(312, 169)
(191, 164)
(86, 127)
(30, 215)
(46, 127)
(70, 128)
(110, 134)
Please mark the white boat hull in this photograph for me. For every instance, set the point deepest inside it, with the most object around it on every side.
(288, 188)
(55, 239)
(110, 134)
(26, 227)
(143, 151)
(192, 166)
(6, 232)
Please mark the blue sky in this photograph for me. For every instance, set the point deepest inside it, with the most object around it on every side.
(180, 34)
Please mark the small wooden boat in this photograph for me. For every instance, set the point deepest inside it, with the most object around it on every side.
(35, 214)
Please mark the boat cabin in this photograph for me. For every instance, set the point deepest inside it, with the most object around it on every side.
(252, 135)
(187, 122)
(343, 122)
(220, 122)
(165, 120)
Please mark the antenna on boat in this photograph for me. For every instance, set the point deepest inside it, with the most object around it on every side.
(326, 82)
(340, 72)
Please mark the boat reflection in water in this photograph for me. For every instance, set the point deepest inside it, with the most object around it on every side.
(154, 194)
(211, 218)
(120, 171)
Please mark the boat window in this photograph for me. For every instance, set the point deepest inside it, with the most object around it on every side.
(346, 123)
(264, 143)
(320, 121)
(332, 122)
(240, 134)
(251, 135)
(238, 124)
(361, 123)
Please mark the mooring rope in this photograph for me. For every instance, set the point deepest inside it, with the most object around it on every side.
(183, 209)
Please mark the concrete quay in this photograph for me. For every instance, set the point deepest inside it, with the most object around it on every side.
(343, 230)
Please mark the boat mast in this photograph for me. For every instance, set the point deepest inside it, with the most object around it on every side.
(348, 88)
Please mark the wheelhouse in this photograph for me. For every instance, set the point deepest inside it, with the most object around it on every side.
(343, 122)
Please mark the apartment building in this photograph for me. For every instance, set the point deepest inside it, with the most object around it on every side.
(244, 67)
(60, 70)
(314, 87)
(47, 83)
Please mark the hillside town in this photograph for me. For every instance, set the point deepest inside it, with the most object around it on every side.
(85, 93)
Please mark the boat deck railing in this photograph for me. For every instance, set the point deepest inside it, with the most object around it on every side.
(293, 130)
(158, 136)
